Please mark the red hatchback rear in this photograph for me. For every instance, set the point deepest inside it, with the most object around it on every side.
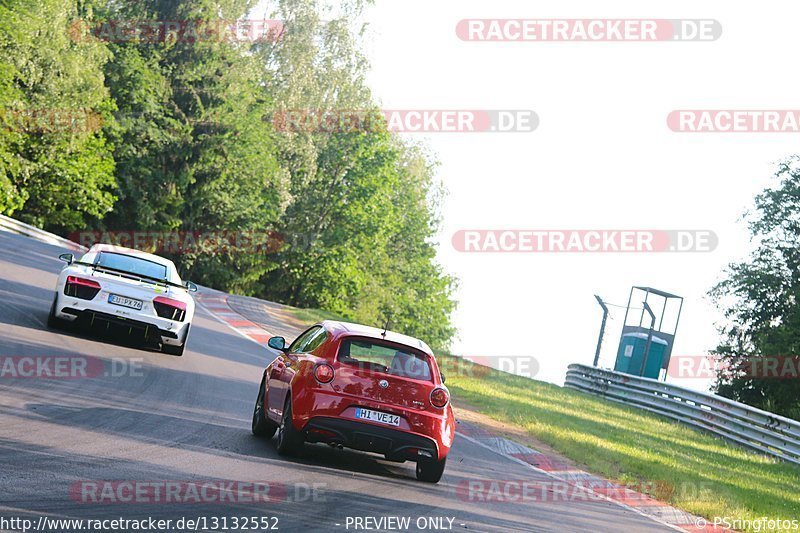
(358, 387)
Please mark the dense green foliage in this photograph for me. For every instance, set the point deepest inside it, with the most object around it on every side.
(178, 137)
(761, 299)
(55, 161)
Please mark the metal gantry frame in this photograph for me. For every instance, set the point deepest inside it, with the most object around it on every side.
(602, 329)
(670, 336)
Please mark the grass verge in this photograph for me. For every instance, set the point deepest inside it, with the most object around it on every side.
(689, 469)
(312, 316)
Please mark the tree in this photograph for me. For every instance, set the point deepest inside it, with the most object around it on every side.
(56, 168)
(177, 138)
(194, 154)
(761, 300)
(362, 216)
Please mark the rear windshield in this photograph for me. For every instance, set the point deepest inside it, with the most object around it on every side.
(388, 358)
(133, 265)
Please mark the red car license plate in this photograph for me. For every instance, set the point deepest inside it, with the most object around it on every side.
(377, 416)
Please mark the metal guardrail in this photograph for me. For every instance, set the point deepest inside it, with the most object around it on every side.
(758, 430)
(15, 226)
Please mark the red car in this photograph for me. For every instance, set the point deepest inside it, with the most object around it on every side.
(358, 387)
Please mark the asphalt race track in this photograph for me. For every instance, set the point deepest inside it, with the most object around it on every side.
(137, 419)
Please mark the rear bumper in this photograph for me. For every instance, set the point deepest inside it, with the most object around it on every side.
(393, 443)
(149, 332)
(312, 401)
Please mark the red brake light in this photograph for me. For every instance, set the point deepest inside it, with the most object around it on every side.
(169, 308)
(85, 289)
(323, 373)
(170, 302)
(75, 280)
(439, 397)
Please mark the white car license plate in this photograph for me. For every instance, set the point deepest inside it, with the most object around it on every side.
(124, 301)
(377, 416)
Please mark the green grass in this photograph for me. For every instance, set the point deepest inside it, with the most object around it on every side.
(311, 316)
(689, 469)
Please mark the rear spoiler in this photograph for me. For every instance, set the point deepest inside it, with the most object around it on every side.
(126, 274)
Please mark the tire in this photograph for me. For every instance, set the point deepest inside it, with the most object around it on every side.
(53, 322)
(177, 351)
(262, 427)
(430, 471)
(289, 439)
(169, 349)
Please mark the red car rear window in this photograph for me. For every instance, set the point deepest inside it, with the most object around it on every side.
(385, 357)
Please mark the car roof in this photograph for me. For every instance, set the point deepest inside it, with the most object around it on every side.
(350, 329)
(132, 252)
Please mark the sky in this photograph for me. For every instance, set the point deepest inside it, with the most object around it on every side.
(602, 157)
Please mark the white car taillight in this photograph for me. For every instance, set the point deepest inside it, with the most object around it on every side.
(169, 308)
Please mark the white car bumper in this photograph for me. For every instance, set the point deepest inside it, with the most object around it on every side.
(99, 312)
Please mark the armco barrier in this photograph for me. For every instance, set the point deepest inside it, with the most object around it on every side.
(756, 429)
(15, 226)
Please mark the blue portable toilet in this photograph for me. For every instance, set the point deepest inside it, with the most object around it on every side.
(658, 316)
(630, 355)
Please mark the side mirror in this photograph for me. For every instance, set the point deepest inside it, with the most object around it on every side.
(443, 378)
(191, 287)
(67, 258)
(278, 343)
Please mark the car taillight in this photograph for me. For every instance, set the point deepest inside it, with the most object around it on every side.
(323, 373)
(439, 397)
(82, 288)
(169, 308)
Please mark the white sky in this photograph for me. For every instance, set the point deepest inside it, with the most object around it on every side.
(601, 158)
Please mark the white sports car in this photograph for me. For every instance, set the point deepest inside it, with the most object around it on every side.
(126, 291)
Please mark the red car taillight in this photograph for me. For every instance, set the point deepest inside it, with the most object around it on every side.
(169, 308)
(82, 288)
(439, 397)
(323, 373)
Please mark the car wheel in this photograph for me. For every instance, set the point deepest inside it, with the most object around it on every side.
(169, 349)
(176, 350)
(431, 470)
(289, 439)
(262, 427)
(53, 322)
